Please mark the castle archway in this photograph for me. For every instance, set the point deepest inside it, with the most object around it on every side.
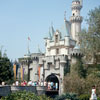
(52, 78)
(52, 85)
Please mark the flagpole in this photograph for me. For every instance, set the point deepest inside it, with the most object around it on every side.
(28, 45)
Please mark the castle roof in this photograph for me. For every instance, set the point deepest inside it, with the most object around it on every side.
(77, 47)
(75, 1)
(76, 50)
(65, 30)
(51, 33)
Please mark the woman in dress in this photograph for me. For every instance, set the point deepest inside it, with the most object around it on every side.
(93, 94)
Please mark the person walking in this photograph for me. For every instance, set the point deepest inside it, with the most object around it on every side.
(93, 94)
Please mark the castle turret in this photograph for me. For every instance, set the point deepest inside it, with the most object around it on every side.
(76, 19)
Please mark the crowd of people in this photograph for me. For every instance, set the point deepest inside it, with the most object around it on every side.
(25, 83)
(49, 85)
(52, 86)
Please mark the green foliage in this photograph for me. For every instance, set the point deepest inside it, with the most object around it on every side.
(24, 95)
(84, 97)
(67, 96)
(98, 98)
(44, 97)
(80, 86)
(78, 68)
(90, 39)
(66, 68)
(6, 69)
(90, 81)
(93, 70)
(74, 84)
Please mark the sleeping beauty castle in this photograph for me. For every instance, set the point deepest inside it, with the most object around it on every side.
(62, 49)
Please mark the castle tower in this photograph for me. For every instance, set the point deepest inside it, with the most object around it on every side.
(76, 19)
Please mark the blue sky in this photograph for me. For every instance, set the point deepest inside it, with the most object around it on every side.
(22, 18)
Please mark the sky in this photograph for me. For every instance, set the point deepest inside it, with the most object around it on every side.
(20, 19)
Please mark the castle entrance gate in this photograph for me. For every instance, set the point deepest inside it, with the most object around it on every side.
(52, 85)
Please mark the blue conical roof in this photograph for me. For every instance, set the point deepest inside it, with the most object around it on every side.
(65, 30)
(77, 47)
(51, 32)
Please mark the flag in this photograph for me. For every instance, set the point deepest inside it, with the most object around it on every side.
(23, 73)
(21, 70)
(14, 69)
(39, 72)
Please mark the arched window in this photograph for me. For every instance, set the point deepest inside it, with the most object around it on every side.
(56, 38)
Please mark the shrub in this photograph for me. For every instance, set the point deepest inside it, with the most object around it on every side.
(24, 95)
(84, 97)
(44, 97)
(67, 96)
(98, 98)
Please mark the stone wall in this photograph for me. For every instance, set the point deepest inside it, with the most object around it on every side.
(22, 88)
(5, 90)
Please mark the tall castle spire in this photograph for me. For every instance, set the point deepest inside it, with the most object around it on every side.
(65, 16)
(76, 19)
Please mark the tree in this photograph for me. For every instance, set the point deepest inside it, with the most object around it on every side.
(78, 68)
(90, 38)
(74, 84)
(6, 69)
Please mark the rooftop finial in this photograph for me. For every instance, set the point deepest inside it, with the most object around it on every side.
(65, 16)
(52, 29)
(39, 51)
(50, 34)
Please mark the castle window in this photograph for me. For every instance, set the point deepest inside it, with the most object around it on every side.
(73, 14)
(56, 38)
(57, 51)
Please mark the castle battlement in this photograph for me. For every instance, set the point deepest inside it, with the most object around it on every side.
(76, 19)
(76, 6)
